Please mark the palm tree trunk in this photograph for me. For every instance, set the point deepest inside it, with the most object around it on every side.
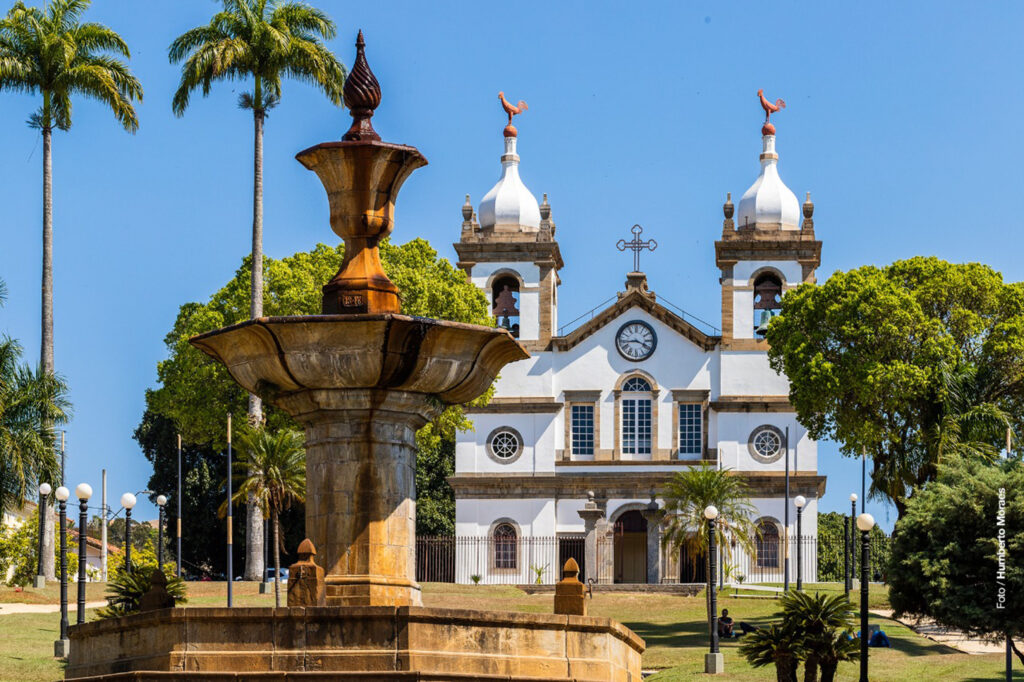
(46, 345)
(277, 560)
(254, 515)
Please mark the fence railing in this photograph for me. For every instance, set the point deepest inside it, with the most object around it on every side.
(538, 560)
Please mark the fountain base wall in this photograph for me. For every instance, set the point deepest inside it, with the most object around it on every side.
(366, 643)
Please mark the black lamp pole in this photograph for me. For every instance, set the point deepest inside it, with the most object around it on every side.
(179, 505)
(853, 538)
(785, 522)
(128, 540)
(711, 587)
(63, 507)
(846, 556)
(799, 543)
(865, 549)
(231, 568)
(160, 537)
(83, 519)
(44, 490)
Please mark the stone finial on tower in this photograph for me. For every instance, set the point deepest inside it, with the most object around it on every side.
(362, 96)
(547, 225)
(728, 209)
(808, 213)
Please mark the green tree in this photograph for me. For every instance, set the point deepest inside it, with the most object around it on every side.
(52, 53)
(909, 363)
(776, 645)
(266, 41)
(125, 590)
(692, 490)
(271, 470)
(830, 548)
(32, 402)
(19, 553)
(954, 551)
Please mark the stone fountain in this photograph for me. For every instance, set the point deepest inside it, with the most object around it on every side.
(361, 378)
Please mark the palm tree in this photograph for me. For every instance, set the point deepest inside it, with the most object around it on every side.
(265, 40)
(53, 54)
(688, 493)
(777, 645)
(31, 403)
(823, 623)
(271, 471)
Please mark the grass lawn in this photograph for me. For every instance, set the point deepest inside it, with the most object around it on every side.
(672, 626)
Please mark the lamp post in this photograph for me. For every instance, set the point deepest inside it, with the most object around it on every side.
(713, 662)
(44, 490)
(800, 501)
(83, 492)
(865, 522)
(61, 646)
(853, 537)
(128, 501)
(161, 500)
(178, 500)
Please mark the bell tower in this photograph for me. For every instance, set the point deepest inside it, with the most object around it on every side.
(511, 252)
(765, 251)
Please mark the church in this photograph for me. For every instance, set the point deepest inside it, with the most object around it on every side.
(572, 454)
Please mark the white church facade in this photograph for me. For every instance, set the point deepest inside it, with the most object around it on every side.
(572, 454)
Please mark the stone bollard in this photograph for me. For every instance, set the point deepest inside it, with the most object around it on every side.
(570, 599)
(157, 597)
(306, 579)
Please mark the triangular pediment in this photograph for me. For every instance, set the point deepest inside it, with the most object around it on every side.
(646, 302)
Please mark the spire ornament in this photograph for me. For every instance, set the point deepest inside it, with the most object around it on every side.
(769, 109)
(362, 96)
(510, 130)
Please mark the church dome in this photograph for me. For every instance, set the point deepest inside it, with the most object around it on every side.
(510, 206)
(769, 204)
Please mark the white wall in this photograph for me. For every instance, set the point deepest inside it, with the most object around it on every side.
(748, 373)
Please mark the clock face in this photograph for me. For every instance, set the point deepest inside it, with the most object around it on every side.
(636, 341)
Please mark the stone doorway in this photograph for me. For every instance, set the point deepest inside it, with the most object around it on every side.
(630, 533)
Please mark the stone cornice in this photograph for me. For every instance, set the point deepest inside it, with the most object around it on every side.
(616, 484)
(752, 403)
(531, 405)
(646, 303)
(544, 253)
(768, 245)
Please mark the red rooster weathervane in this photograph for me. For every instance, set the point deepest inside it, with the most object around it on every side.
(510, 130)
(769, 109)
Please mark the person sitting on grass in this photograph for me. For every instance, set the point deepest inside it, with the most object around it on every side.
(725, 624)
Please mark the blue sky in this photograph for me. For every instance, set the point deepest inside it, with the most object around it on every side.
(903, 122)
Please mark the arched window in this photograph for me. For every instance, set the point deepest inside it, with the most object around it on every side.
(505, 545)
(505, 303)
(636, 385)
(767, 300)
(636, 416)
(768, 544)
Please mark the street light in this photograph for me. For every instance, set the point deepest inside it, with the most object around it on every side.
(853, 538)
(128, 501)
(44, 490)
(161, 500)
(865, 522)
(83, 492)
(800, 501)
(713, 662)
(61, 646)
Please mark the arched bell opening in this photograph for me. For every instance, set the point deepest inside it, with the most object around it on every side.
(767, 301)
(505, 303)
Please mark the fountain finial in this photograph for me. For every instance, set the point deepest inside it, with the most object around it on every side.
(362, 96)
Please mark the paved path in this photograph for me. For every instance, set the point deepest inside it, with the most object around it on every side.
(6, 609)
(948, 636)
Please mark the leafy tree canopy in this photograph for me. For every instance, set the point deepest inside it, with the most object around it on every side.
(907, 362)
(956, 550)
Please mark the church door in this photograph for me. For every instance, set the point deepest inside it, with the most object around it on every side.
(631, 548)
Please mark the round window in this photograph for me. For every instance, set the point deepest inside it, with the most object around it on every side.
(766, 444)
(504, 444)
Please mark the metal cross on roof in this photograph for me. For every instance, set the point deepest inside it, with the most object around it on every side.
(636, 245)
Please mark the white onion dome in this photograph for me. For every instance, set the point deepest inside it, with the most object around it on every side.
(510, 206)
(769, 204)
